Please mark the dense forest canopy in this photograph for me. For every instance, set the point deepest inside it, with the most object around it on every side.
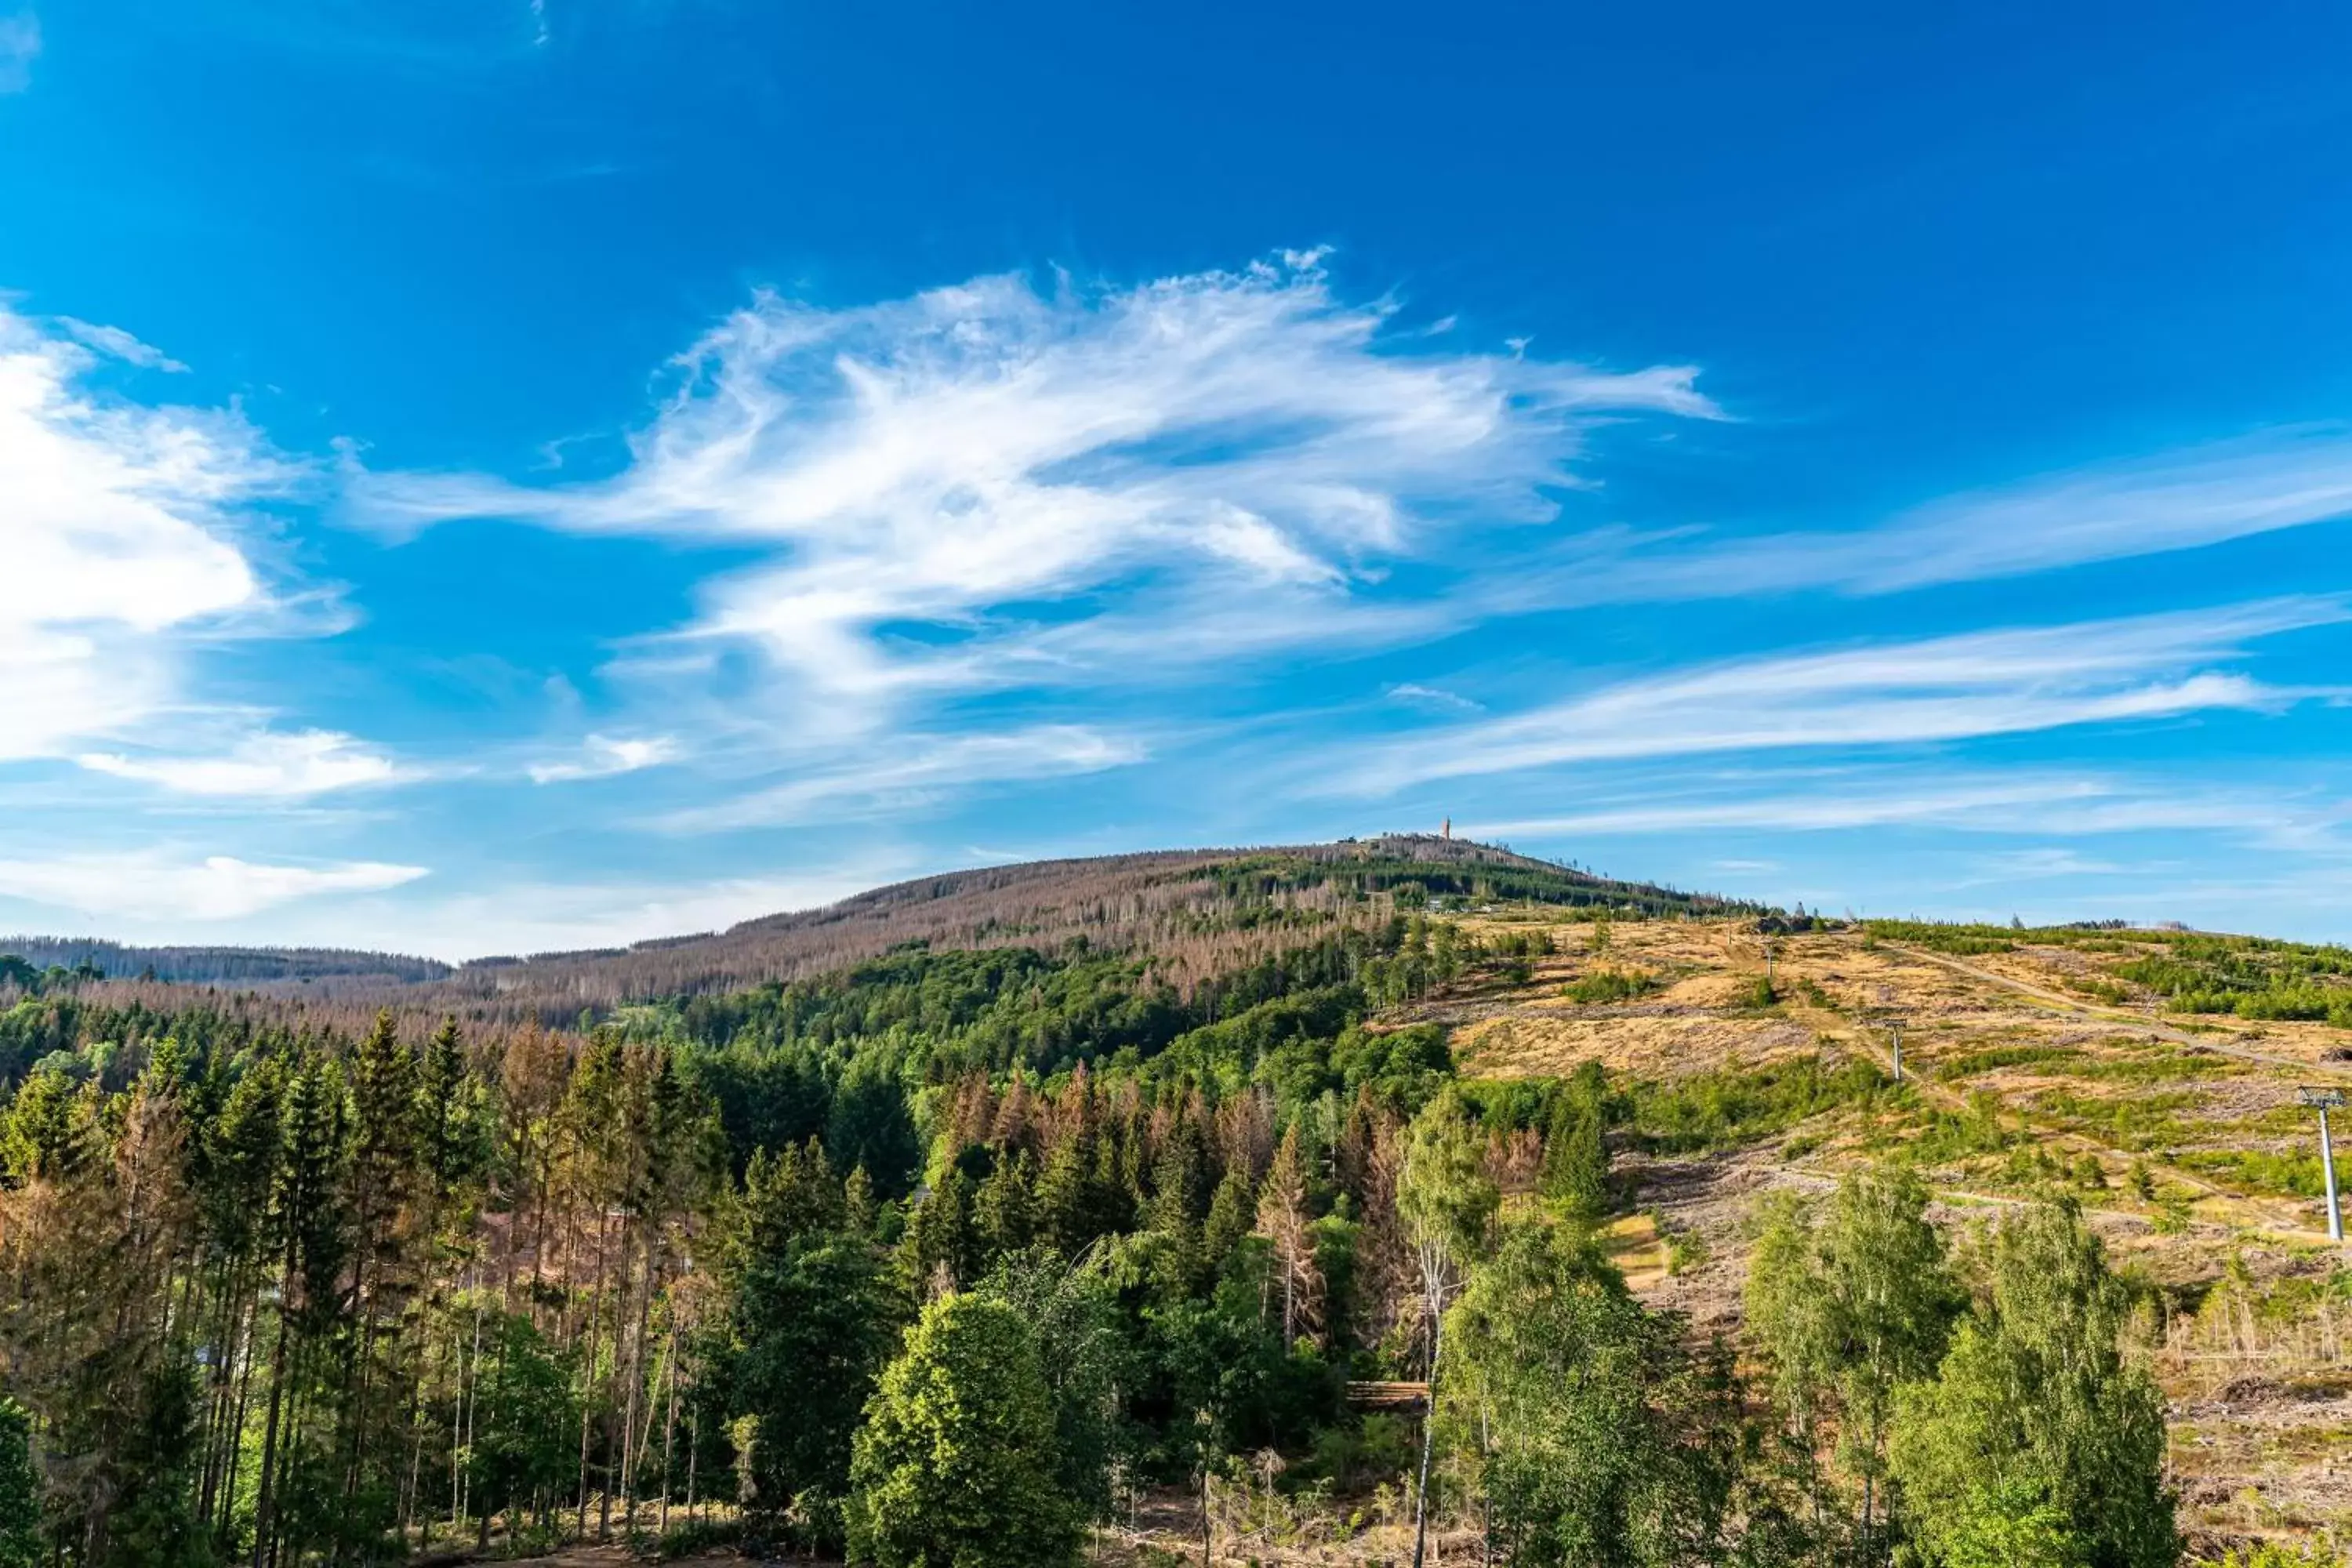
(950, 1250)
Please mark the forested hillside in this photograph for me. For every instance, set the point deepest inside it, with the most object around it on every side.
(1195, 913)
(1096, 1208)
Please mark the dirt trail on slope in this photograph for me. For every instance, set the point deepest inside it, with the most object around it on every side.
(2065, 1004)
(2253, 1211)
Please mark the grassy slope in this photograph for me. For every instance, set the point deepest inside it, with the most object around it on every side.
(2035, 1061)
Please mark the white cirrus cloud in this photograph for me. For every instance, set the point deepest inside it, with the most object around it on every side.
(157, 885)
(116, 344)
(2205, 495)
(2039, 861)
(2035, 801)
(545, 917)
(605, 756)
(1414, 694)
(917, 769)
(2179, 500)
(20, 45)
(959, 488)
(121, 533)
(268, 765)
(1944, 688)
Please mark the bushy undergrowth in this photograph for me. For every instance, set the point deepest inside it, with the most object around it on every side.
(1724, 1108)
(1611, 985)
(2293, 1175)
(695, 1538)
(1960, 941)
(1992, 1058)
(2193, 973)
(2251, 977)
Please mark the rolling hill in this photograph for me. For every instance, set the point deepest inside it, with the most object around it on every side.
(1198, 912)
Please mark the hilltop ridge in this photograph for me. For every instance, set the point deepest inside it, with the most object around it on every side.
(1198, 911)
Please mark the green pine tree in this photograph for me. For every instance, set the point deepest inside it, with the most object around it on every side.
(942, 1239)
(20, 1489)
(1576, 1161)
(1232, 1212)
(1003, 1210)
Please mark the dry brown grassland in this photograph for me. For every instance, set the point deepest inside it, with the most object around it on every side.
(2250, 1344)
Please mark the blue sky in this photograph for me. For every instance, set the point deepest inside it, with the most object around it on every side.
(488, 478)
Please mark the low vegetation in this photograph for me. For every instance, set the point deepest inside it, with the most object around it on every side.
(1605, 985)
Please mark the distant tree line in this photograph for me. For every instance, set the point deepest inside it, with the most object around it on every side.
(215, 965)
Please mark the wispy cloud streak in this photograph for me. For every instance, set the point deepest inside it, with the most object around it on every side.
(2182, 500)
(964, 488)
(607, 757)
(919, 769)
(264, 765)
(1944, 688)
(20, 45)
(2040, 802)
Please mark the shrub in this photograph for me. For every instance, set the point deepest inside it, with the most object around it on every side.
(1686, 1250)
(2280, 1554)
(1611, 985)
(696, 1537)
(1716, 1109)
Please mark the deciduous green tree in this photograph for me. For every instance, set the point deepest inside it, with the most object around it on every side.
(522, 1417)
(1601, 1438)
(957, 1465)
(1088, 1363)
(1447, 1202)
(2040, 1439)
(813, 1326)
(1850, 1305)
